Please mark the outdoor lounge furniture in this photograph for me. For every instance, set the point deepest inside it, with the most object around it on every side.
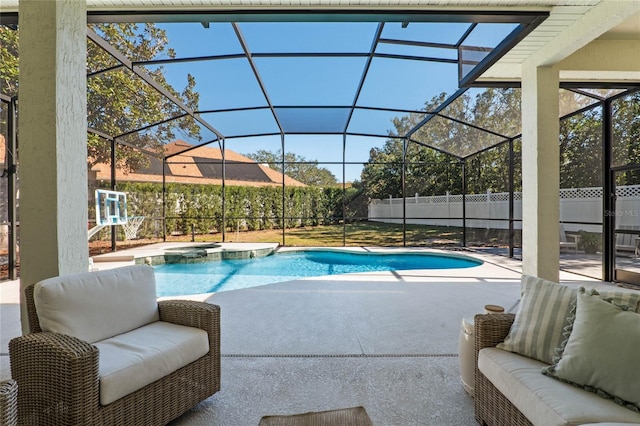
(8, 403)
(511, 389)
(628, 242)
(569, 241)
(103, 351)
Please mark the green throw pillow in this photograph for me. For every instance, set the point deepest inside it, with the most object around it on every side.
(601, 352)
(538, 329)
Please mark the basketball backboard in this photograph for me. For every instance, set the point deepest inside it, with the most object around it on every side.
(111, 207)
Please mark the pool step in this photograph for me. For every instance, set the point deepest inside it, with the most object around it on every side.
(202, 253)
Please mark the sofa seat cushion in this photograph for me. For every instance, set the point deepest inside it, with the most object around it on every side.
(132, 360)
(94, 306)
(543, 400)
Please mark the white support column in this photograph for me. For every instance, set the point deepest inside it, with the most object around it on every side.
(53, 141)
(540, 172)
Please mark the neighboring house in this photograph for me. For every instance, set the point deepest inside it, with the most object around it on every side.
(202, 165)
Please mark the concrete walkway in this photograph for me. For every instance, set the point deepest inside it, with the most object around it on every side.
(387, 341)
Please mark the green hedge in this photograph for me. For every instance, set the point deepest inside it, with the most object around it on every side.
(247, 208)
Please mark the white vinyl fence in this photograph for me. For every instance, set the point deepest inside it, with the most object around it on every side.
(576, 205)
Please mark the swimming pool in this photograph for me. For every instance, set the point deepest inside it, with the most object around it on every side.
(207, 277)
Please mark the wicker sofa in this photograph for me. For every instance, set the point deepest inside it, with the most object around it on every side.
(106, 342)
(510, 388)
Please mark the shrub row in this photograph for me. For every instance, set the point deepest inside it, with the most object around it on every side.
(200, 207)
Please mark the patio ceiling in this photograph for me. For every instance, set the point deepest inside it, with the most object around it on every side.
(268, 71)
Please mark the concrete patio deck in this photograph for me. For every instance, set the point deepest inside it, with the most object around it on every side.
(387, 341)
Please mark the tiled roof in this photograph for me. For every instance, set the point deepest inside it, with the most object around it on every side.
(201, 165)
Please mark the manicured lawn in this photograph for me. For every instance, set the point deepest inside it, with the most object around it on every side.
(354, 234)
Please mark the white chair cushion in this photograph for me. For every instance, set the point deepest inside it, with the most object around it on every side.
(130, 361)
(543, 400)
(93, 306)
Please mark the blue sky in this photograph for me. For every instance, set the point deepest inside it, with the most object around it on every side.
(316, 81)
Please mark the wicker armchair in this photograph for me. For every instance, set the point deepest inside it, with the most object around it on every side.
(492, 408)
(58, 375)
(9, 403)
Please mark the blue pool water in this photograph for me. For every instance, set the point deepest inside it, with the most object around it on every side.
(179, 278)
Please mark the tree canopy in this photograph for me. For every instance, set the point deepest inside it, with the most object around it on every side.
(296, 166)
(118, 101)
(8, 61)
(433, 158)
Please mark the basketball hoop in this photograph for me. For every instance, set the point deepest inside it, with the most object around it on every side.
(111, 209)
(131, 227)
